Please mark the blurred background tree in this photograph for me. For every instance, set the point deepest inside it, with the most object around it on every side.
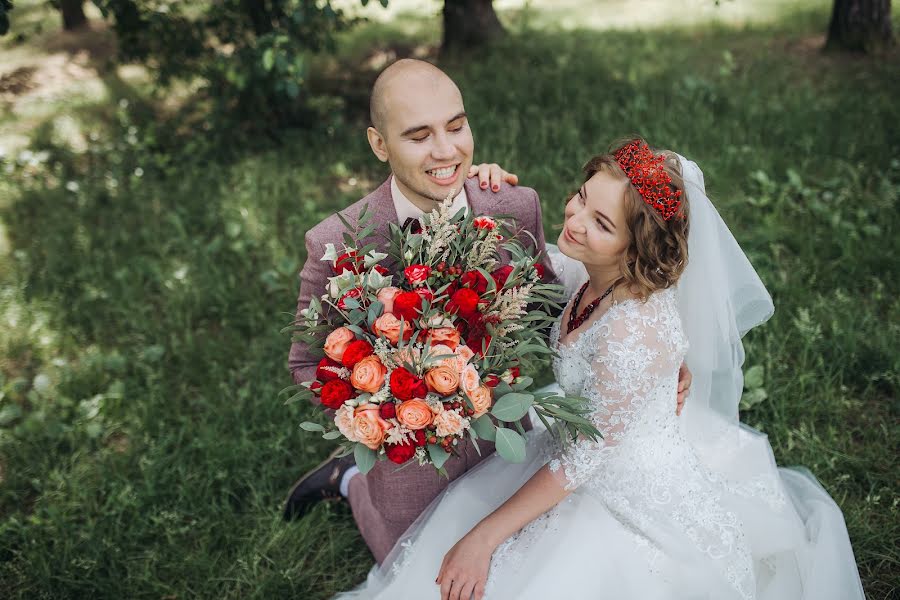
(860, 26)
(72, 13)
(469, 24)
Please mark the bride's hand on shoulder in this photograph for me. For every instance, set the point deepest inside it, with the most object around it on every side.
(464, 572)
(492, 174)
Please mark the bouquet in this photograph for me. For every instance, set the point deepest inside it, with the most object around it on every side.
(419, 356)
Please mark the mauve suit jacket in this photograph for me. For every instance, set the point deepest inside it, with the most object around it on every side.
(387, 500)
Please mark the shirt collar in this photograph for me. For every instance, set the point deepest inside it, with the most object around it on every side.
(406, 209)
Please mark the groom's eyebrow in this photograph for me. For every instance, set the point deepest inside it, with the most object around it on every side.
(418, 128)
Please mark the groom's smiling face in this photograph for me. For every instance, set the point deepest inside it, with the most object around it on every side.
(421, 129)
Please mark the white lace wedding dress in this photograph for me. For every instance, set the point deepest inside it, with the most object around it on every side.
(664, 507)
(647, 519)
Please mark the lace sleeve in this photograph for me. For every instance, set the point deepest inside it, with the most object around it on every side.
(639, 351)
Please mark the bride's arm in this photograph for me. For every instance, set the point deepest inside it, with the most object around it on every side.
(465, 567)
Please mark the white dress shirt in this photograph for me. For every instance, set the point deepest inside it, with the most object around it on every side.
(406, 209)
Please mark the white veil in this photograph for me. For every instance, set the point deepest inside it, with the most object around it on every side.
(720, 298)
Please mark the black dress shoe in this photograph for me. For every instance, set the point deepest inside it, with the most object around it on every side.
(322, 483)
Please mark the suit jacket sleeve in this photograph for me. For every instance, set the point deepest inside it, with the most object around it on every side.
(313, 278)
(538, 230)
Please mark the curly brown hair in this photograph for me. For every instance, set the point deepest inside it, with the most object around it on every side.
(658, 251)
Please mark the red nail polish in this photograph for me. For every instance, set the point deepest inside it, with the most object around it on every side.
(496, 188)
(483, 184)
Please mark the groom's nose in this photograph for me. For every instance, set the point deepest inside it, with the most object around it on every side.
(443, 148)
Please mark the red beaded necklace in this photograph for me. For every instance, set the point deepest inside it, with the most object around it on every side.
(576, 322)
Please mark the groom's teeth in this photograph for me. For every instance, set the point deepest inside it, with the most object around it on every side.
(442, 173)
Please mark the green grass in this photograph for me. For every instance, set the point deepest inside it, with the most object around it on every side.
(144, 452)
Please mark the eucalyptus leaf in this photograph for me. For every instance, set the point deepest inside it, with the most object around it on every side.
(438, 455)
(485, 428)
(365, 458)
(522, 384)
(332, 435)
(310, 426)
(512, 406)
(510, 445)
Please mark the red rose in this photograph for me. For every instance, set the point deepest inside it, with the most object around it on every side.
(355, 352)
(416, 274)
(335, 393)
(465, 302)
(420, 437)
(491, 380)
(315, 385)
(327, 369)
(406, 386)
(484, 223)
(347, 261)
(407, 305)
(425, 294)
(540, 270)
(399, 453)
(501, 274)
(388, 410)
(354, 293)
(477, 343)
(474, 280)
(381, 270)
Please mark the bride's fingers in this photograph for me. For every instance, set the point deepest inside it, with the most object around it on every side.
(478, 592)
(473, 171)
(465, 590)
(499, 176)
(484, 176)
(446, 583)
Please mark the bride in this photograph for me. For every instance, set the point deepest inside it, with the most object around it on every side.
(662, 507)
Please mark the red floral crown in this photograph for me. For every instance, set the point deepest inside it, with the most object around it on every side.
(646, 172)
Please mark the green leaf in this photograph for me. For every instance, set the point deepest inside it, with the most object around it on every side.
(438, 455)
(365, 458)
(754, 377)
(310, 426)
(268, 59)
(332, 435)
(485, 428)
(523, 384)
(510, 445)
(512, 406)
(502, 389)
(753, 397)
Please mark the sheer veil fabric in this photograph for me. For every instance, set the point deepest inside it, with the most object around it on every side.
(655, 511)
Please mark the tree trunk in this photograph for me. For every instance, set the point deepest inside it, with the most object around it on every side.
(469, 24)
(860, 26)
(72, 14)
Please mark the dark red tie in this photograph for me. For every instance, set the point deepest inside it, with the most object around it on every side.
(412, 225)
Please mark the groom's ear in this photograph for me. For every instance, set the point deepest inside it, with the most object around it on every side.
(376, 142)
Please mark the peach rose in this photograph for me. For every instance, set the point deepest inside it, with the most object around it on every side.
(443, 380)
(463, 355)
(414, 414)
(469, 379)
(444, 335)
(336, 343)
(343, 418)
(386, 296)
(481, 400)
(443, 350)
(450, 422)
(368, 426)
(368, 374)
(389, 326)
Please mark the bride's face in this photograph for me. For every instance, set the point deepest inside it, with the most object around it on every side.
(595, 231)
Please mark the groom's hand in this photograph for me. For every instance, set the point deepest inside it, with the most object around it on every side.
(492, 174)
(684, 386)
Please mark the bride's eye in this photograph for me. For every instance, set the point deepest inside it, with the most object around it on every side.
(600, 223)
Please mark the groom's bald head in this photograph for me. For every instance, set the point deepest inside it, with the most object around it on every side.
(401, 77)
(419, 126)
